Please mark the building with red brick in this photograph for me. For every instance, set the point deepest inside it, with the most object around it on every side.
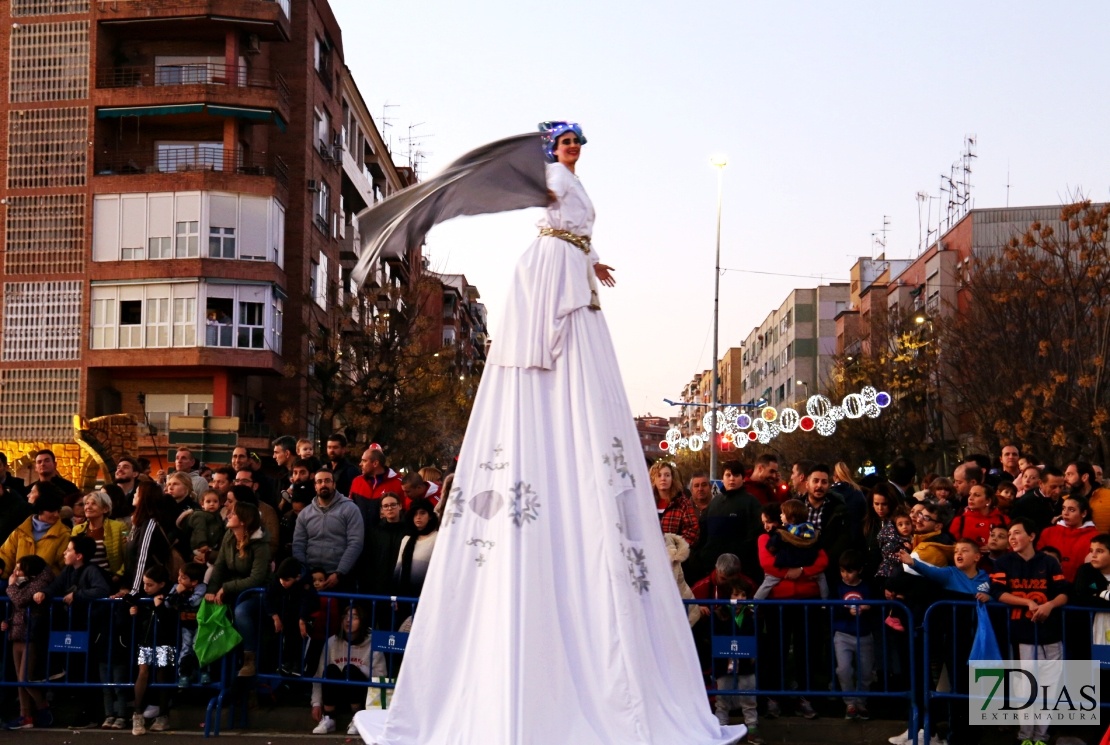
(176, 210)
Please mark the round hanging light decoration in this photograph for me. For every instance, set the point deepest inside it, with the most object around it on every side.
(818, 406)
(882, 399)
(770, 414)
(826, 427)
(807, 423)
(855, 405)
(788, 420)
(696, 443)
(664, 445)
(753, 436)
(743, 421)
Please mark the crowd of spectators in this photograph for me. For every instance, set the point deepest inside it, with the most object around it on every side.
(176, 537)
(1031, 539)
(1016, 532)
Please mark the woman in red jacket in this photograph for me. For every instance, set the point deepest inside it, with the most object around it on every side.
(979, 518)
(1071, 536)
(784, 626)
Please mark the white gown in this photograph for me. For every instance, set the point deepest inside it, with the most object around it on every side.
(550, 614)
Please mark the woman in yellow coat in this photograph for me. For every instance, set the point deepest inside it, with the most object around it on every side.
(109, 535)
(42, 534)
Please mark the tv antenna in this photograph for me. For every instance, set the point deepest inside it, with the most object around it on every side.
(923, 198)
(387, 123)
(414, 142)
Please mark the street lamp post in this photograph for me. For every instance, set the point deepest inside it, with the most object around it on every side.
(719, 162)
(805, 385)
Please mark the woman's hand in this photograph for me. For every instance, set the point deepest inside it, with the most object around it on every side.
(304, 628)
(220, 597)
(603, 274)
(158, 600)
(38, 597)
(551, 198)
(211, 598)
(134, 610)
(793, 573)
(278, 628)
(68, 599)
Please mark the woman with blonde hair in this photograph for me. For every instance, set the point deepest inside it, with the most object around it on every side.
(109, 535)
(676, 512)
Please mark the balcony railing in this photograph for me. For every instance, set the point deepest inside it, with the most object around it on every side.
(199, 73)
(124, 163)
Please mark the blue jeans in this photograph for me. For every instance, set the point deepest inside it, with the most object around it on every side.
(246, 620)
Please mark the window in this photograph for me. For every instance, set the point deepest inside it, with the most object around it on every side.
(221, 243)
(313, 276)
(45, 234)
(132, 254)
(104, 323)
(185, 322)
(279, 322)
(322, 207)
(322, 57)
(159, 248)
(252, 326)
(187, 245)
(131, 324)
(321, 291)
(219, 328)
(157, 322)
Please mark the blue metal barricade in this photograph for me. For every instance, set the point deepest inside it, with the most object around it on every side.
(94, 644)
(299, 655)
(789, 648)
(949, 632)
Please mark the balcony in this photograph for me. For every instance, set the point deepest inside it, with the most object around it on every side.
(191, 159)
(255, 94)
(268, 19)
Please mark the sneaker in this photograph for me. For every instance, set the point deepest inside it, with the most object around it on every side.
(901, 739)
(160, 724)
(895, 623)
(20, 723)
(862, 713)
(805, 709)
(44, 718)
(138, 724)
(108, 723)
(773, 710)
(119, 723)
(325, 727)
(753, 737)
(852, 712)
(205, 679)
(151, 712)
(351, 728)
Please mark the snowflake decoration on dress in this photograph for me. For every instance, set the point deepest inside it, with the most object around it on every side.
(617, 462)
(524, 507)
(637, 568)
(455, 506)
(765, 424)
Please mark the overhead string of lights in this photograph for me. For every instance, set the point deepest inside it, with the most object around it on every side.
(736, 426)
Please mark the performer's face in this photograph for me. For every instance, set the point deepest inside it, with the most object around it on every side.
(567, 148)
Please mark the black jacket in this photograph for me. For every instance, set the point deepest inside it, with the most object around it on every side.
(732, 526)
(14, 510)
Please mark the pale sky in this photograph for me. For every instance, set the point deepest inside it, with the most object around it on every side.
(832, 115)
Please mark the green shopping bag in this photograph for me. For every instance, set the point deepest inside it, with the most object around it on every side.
(215, 634)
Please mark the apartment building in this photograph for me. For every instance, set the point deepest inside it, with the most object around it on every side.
(787, 358)
(177, 206)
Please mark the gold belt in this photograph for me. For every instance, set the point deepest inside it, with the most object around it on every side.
(582, 241)
(583, 244)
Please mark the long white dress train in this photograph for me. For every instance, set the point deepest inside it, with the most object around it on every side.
(549, 614)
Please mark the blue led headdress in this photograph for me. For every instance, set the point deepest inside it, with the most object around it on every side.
(552, 131)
